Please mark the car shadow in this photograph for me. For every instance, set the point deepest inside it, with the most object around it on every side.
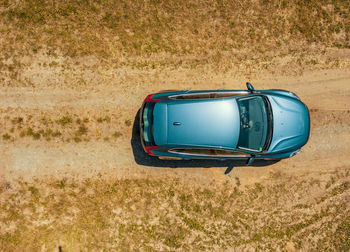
(142, 158)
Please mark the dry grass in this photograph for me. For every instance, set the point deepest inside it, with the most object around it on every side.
(191, 32)
(47, 41)
(39, 127)
(167, 214)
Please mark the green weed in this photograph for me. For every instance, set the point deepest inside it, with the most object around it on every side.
(77, 139)
(117, 134)
(64, 120)
(82, 130)
(127, 122)
(17, 120)
(6, 137)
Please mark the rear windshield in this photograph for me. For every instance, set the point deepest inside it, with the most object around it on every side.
(254, 123)
(147, 123)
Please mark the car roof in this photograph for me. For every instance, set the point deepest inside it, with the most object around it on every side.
(197, 123)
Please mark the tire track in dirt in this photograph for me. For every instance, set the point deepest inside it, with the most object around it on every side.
(329, 145)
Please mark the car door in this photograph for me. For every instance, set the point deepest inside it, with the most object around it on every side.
(189, 153)
(209, 94)
(222, 93)
(231, 154)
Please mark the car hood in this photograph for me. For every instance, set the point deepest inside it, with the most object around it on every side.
(291, 124)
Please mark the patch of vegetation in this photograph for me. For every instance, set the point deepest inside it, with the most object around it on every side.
(81, 131)
(77, 139)
(127, 122)
(47, 133)
(212, 31)
(107, 119)
(22, 134)
(36, 135)
(33, 190)
(31, 132)
(17, 120)
(104, 119)
(61, 183)
(6, 137)
(64, 120)
(56, 133)
(105, 213)
(192, 223)
(117, 134)
(341, 241)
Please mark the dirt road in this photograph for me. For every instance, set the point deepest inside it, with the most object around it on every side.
(106, 106)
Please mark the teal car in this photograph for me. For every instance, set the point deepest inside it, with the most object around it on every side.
(224, 124)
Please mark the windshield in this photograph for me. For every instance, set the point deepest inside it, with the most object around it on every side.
(147, 123)
(254, 123)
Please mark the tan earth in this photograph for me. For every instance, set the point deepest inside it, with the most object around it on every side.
(110, 95)
(73, 175)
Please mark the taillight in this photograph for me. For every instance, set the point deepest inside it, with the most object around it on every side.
(149, 149)
(150, 99)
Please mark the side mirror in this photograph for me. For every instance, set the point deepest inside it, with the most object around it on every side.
(250, 87)
(250, 160)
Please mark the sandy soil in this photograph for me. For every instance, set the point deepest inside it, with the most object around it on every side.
(73, 175)
(106, 93)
